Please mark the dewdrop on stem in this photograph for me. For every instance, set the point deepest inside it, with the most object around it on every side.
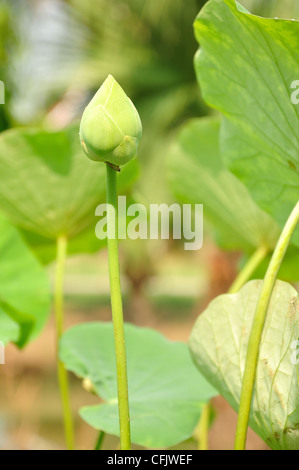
(110, 129)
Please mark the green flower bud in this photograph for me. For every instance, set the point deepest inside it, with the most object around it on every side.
(110, 129)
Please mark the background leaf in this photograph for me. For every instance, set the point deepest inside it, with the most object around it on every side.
(24, 289)
(219, 344)
(51, 187)
(45, 248)
(166, 393)
(198, 176)
(245, 66)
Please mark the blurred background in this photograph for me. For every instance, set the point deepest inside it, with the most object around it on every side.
(54, 54)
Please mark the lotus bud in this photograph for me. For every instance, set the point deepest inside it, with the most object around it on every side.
(110, 129)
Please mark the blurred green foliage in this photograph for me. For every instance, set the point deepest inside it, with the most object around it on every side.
(60, 51)
(64, 49)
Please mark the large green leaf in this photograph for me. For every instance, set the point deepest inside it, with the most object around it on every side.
(49, 186)
(219, 344)
(245, 66)
(198, 175)
(24, 289)
(166, 393)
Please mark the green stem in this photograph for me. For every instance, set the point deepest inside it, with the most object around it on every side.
(117, 311)
(203, 428)
(100, 439)
(257, 328)
(59, 323)
(249, 268)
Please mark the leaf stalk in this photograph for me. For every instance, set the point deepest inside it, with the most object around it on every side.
(117, 310)
(59, 326)
(257, 328)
